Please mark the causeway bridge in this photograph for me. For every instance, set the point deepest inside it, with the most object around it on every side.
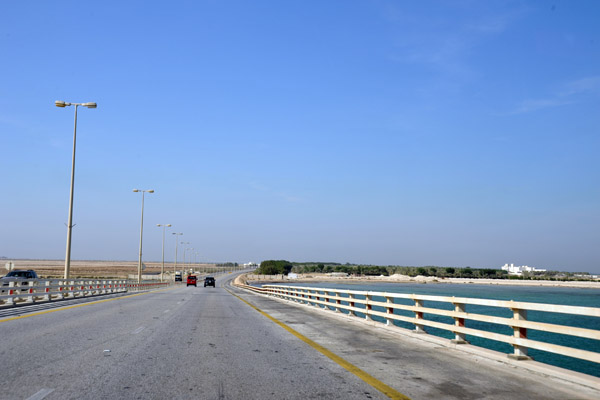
(179, 342)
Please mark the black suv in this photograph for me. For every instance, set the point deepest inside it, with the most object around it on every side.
(18, 275)
(209, 281)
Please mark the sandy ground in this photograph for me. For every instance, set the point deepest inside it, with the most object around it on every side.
(121, 269)
(315, 277)
(93, 269)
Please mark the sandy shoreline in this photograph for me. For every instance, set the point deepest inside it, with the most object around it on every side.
(314, 277)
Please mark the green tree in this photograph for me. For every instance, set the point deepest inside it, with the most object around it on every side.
(274, 267)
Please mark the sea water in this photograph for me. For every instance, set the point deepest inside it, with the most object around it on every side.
(533, 294)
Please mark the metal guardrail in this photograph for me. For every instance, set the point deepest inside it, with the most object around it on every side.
(363, 302)
(26, 291)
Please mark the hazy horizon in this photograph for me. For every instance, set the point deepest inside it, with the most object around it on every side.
(7, 259)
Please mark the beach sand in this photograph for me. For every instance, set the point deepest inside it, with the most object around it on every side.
(316, 277)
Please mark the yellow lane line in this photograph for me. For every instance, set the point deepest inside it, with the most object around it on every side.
(78, 305)
(377, 384)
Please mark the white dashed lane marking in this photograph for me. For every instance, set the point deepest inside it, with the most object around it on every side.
(41, 394)
(138, 330)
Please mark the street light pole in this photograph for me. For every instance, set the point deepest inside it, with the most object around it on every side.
(176, 241)
(63, 104)
(190, 262)
(184, 249)
(141, 232)
(162, 271)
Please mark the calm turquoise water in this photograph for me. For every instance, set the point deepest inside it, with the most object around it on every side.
(532, 294)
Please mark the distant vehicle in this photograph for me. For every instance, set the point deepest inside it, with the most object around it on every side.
(209, 281)
(191, 280)
(178, 276)
(18, 275)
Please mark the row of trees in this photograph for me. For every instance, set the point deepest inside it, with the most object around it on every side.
(441, 272)
(275, 267)
(227, 264)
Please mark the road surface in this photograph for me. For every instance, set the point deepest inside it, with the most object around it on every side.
(224, 343)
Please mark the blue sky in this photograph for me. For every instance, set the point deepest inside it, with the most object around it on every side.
(380, 132)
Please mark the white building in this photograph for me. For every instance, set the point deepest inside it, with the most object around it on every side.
(518, 270)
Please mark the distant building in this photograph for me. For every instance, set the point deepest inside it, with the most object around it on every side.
(519, 269)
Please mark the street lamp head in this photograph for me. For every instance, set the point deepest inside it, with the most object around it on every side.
(59, 103)
(136, 190)
(150, 191)
(168, 225)
(90, 105)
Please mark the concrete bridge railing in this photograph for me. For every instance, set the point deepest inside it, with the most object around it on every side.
(384, 307)
(35, 290)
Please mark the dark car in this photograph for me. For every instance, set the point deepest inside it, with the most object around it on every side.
(209, 281)
(191, 280)
(18, 275)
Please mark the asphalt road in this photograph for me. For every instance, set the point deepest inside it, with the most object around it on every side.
(210, 343)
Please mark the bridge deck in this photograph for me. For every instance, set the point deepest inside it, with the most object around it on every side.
(213, 343)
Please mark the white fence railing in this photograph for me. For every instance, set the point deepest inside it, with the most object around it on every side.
(386, 310)
(35, 290)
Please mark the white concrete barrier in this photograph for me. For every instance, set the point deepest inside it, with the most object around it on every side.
(352, 302)
(36, 290)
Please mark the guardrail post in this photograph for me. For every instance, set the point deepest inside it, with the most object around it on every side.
(47, 296)
(520, 352)
(30, 291)
(459, 338)
(11, 292)
(351, 303)
(60, 294)
(338, 302)
(419, 315)
(368, 308)
(389, 310)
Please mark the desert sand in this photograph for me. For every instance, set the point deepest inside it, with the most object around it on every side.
(95, 269)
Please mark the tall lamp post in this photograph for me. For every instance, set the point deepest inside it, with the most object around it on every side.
(63, 104)
(176, 241)
(184, 249)
(162, 271)
(190, 260)
(141, 232)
